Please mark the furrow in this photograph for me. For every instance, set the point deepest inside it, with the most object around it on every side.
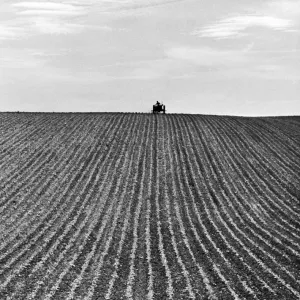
(240, 206)
(53, 233)
(284, 142)
(257, 207)
(157, 192)
(33, 168)
(122, 239)
(217, 211)
(39, 188)
(260, 134)
(20, 165)
(174, 162)
(55, 289)
(255, 179)
(133, 254)
(67, 241)
(276, 177)
(97, 272)
(148, 237)
(218, 224)
(77, 157)
(13, 144)
(219, 242)
(118, 192)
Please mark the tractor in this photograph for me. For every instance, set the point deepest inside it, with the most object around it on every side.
(157, 108)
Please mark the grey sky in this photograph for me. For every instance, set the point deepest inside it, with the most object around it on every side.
(211, 57)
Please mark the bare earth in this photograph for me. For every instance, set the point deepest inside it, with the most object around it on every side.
(142, 206)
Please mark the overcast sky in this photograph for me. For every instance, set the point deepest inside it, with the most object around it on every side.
(208, 57)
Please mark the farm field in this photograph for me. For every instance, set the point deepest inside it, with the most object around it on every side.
(142, 206)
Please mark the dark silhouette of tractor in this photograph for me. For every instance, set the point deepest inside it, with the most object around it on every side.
(157, 108)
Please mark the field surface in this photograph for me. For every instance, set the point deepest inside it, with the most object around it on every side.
(141, 206)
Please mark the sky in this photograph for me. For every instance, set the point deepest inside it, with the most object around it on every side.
(228, 57)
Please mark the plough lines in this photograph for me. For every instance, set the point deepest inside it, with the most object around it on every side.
(139, 206)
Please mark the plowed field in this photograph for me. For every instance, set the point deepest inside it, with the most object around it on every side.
(142, 206)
